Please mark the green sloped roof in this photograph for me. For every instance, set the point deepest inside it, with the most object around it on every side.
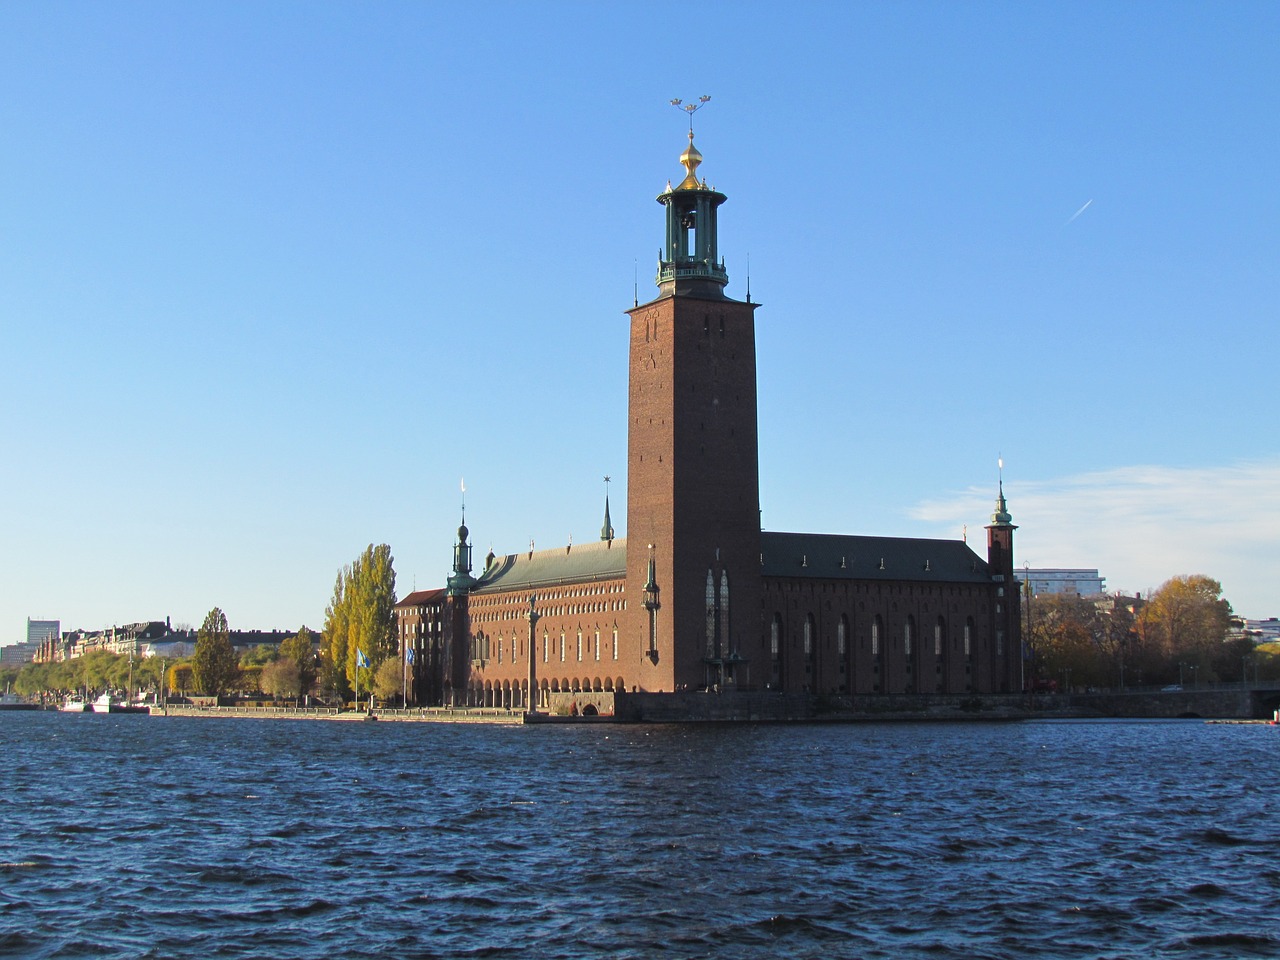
(836, 557)
(581, 563)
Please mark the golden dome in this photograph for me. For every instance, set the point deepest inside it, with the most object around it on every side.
(690, 160)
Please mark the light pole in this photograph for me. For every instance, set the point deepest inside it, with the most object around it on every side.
(533, 617)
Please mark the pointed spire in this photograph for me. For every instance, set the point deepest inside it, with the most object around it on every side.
(606, 532)
(1002, 517)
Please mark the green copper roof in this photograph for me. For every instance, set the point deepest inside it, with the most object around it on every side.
(580, 563)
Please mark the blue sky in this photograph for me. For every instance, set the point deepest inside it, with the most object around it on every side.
(274, 277)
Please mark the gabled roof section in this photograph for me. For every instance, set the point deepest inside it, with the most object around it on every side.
(419, 597)
(579, 563)
(835, 557)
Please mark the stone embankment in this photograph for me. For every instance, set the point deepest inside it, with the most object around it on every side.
(413, 715)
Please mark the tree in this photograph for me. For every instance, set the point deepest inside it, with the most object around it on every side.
(388, 680)
(1186, 621)
(213, 666)
(360, 618)
(301, 651)
(181, 678)
(281, 678)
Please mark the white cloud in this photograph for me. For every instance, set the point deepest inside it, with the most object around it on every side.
(1142, 525)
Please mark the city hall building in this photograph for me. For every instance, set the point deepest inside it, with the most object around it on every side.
(696, 597)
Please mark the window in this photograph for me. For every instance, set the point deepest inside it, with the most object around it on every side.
(775, 631)
(546, 648)
(615, 644)
(579, 646)
(906, 636)
(967, 631)
(808, 637)
(842, 629)
(875, 636)
(597, 644)
(562, 651)
(937, 639)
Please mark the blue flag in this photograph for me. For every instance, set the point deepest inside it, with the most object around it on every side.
(361, 659)
(408, 656)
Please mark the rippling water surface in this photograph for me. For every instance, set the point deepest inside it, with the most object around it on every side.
(131, 836)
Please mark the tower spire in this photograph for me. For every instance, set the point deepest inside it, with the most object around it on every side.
(606, 532)
(690, 262)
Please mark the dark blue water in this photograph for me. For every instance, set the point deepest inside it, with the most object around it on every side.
(128, 836)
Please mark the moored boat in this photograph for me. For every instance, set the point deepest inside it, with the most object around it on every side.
(109, 703)
(74, 705)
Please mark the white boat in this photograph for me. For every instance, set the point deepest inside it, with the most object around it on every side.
(74, 705)
(108, 703)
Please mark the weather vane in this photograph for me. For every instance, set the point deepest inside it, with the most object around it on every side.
(691, 108)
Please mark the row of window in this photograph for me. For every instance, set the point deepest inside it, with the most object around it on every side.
(586, 647)
(809, 635)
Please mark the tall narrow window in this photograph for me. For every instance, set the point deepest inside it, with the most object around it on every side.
(546, 648)
(579, 646)
(937, 639)
(775, 631)
(906, 636)
(711, 615)
(725, 639)
(615, 643)
(842, 629)
(597, 644)
(875, 636)
(967, 638)
(562, 646)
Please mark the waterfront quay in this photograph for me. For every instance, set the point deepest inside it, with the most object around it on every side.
(1238, 702)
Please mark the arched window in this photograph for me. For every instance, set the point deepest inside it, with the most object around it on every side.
(615, 643)
(579, 646)
(562, 646)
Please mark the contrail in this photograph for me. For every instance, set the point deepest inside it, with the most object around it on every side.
(1081, 210)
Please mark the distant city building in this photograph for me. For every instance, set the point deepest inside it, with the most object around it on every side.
(16, 654)
(147, 638)
(38, 630)
(1083, 583)
(1263, 631)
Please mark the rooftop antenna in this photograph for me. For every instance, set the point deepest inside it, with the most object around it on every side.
(635, 283)
(691, 109)
(748, 276)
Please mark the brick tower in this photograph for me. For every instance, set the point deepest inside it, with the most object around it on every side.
(1006, 657)
(693, 490)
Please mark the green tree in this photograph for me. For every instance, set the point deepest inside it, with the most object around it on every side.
(360, 619)
(259, 654)
(214, 667)
(301, 650)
